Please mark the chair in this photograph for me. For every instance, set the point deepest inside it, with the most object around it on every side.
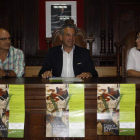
(123, 49)
(81, 38)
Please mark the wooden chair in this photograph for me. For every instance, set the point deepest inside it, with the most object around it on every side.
(81, 38)
(123, 49)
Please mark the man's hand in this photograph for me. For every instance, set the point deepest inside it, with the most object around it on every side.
(47, 74)
(133, 73)
(10, 73)
(84, 75)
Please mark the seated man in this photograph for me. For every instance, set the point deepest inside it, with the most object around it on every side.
(11, 59)
(68, 60)
(133, 63)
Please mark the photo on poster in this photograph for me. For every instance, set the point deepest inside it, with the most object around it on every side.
(12, 111)
(65, 112)
(59, 13)
(4, 110)
(116, 109)
(57, 110)
(108, 98)
(56, 12)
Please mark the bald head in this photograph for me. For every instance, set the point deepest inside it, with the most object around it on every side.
(5, 39)
(3, 32)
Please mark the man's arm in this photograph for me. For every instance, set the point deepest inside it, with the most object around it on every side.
(7, 73)
(86, 67)
(47, 74)
(19, 65)
(46, 68)
(89, 69)
(133, 73)
(84, 75)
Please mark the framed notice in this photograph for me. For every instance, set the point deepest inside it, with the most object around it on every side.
(56, 14)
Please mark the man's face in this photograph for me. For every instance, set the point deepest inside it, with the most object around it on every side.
(138, 41)
(4, 44)
(68, 37)
(62, 9)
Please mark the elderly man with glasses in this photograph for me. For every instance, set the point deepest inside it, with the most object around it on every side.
(11, 59)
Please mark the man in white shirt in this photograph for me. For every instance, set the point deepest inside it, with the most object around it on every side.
(68, 60)
(133, 63)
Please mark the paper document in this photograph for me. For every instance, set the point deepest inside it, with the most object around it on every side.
(65, 110)
(65, 79)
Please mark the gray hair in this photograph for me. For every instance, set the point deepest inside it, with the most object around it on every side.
(69, 26)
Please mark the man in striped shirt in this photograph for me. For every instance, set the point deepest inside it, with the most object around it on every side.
(11, 59)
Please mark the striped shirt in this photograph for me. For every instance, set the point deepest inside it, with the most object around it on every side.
(14, 61)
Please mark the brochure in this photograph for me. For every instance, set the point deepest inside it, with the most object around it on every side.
(116, 109)
(12, 111)
(65, 114)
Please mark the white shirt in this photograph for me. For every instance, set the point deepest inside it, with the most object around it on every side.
(67, 69)
(133, 61)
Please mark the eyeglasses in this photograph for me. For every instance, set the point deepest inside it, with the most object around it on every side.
(4, 39)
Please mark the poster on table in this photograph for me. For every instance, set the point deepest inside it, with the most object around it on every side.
(116, 109)
(65, 110)
(12, 111)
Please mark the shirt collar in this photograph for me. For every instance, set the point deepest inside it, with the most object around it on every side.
(71, 50)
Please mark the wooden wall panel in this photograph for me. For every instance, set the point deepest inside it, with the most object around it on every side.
(126, 19)
(20, 18)
(31, 37)
(92, 19)
(4, 14)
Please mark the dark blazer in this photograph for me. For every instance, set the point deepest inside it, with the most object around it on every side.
(81, 62)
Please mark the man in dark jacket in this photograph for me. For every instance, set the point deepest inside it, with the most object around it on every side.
(68, 60)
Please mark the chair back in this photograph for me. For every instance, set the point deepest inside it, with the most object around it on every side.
(81, 38)
(128, 43)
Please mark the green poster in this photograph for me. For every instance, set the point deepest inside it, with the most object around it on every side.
(4, 109)
(65, 110)
(116, 109)
(57, 110)
(108, 98)
(17, 111)
(127, 109)
(76, 110)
